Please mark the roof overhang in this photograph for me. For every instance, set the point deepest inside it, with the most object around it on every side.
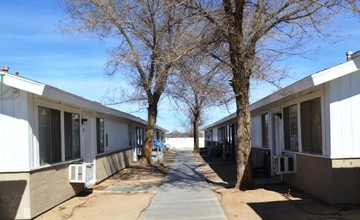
(308, 82)
(54, 93)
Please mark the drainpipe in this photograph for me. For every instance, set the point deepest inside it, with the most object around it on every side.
(2, 77)
(1, 90)
(4, 69)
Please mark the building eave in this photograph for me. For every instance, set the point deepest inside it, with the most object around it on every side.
(22, 83)
(221, 121)
(308, 82)
(54, 93)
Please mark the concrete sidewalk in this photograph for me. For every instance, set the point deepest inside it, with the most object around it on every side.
(185, 194)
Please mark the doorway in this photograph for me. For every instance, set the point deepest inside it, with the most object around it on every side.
(276, 134)
(89, 149)
(87, 140)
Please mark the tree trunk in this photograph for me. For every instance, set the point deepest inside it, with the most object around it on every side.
(241, 58)
(149, 134)
(241, 89)
(196, 133)
(196, 122)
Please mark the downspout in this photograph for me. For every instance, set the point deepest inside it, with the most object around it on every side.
(4, 69)
(1, 90)
(1, 105)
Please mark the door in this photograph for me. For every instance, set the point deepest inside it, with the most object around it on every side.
(88, 140)
(89, 148)
(276, 134)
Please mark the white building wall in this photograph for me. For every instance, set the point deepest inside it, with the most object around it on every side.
(32, 139)
(183, 143)
(14, 130)
(344, 101)
(117, 134)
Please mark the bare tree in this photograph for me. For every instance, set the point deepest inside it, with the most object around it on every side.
(199, 83)
(255, 35)
(152, 36)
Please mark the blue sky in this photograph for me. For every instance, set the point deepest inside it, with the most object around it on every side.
(32, 44)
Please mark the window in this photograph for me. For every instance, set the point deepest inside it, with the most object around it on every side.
(140, 135)
(100, 135)
(311, 132)
(158, 135)
(49, 135)
(265, 129)
(291, 128)
(230, 139)
(223, 134)
(220, 135)
(72, 135)
(235, 131)
(209, 134)
(137, 133)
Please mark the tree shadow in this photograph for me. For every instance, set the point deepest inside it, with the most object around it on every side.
(296, 204)
(11, 194)
(300, 205)
(225, 169)
(184, 174)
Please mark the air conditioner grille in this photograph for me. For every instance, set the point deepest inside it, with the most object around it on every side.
(81, 173)
(284, 164)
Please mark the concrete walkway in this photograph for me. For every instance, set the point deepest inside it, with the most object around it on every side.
(185, 194)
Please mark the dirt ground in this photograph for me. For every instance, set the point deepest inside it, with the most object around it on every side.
(275, 201)
(266, 201)
(97, 203)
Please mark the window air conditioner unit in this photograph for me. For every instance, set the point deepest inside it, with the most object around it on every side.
(81, 173)
(284, 164)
